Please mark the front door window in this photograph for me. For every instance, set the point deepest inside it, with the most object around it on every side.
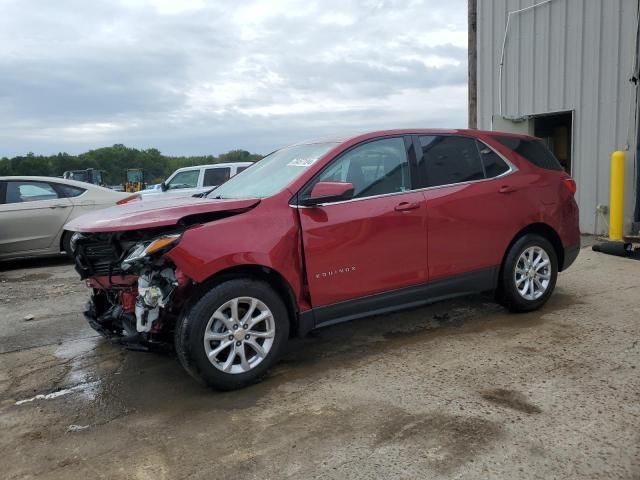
(188, 179)
(375, 168)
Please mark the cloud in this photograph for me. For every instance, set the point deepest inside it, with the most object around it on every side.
(195, 76)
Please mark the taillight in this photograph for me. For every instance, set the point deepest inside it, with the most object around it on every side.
(570, 183)
(130, 198)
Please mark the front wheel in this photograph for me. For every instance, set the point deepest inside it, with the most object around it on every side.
(232, 334)
(528, 274)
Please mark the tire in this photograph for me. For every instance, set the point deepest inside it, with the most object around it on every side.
(213, 314)
(66, 243)
(537, 281)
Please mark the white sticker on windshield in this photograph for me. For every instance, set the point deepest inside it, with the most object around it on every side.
(301, 162)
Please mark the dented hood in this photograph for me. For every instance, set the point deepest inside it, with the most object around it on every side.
(153, 213)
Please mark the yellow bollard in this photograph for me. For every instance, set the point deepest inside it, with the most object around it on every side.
(616, 196)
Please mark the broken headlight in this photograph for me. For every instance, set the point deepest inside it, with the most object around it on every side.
(150, 247)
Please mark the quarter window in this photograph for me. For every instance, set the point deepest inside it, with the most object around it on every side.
(374, 168)
(18, 192)
(493, 164)
(69, 191)
(533, 150)
(216, 176)
(449, 159)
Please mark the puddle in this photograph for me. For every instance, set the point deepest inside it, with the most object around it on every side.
(107, 381)
(75, 355)
(89, 390)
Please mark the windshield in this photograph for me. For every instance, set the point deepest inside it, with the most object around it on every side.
(272, 173)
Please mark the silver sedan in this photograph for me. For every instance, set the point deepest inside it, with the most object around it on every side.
(33, 211)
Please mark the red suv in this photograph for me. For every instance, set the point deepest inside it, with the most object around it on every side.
(326, 231)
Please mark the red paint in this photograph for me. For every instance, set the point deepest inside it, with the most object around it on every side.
(360, 247)
(571, 185)
(103, 281)
(181, 278)
(152, 213)
(128, 300)
(330, 189)
(132, 198)
(470, 227)
(267, 236)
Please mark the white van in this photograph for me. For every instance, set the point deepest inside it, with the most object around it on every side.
(191, 180)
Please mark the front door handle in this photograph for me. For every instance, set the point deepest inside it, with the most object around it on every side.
(506, 189)
(404, 206)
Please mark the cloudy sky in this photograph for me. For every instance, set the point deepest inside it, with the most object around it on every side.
(204, 76)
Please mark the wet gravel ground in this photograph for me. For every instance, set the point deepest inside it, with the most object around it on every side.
(460, 389)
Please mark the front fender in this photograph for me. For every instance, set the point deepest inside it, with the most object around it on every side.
(264, 236)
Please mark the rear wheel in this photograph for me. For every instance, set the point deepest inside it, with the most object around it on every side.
(66, 243)
(528, 274)
(232, 334)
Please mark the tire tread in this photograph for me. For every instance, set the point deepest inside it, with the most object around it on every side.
(201, 310)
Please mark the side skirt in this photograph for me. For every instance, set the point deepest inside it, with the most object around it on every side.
(404, 298)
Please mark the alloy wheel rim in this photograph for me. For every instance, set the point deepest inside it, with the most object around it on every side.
(239, 335)
(532, 273)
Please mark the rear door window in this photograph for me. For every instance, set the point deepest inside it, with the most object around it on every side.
(448, 159)
(18, 192)
(533, 150)
(216, 176)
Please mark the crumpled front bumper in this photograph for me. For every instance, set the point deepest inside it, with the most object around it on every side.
(119, 328)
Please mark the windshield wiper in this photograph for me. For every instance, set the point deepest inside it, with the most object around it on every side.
(204, 194)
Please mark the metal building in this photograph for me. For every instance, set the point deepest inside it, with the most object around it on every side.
(566, 71)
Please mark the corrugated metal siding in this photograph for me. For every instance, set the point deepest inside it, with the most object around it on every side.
(568, 55)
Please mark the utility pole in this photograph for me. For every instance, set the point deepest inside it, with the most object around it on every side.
(473, 64)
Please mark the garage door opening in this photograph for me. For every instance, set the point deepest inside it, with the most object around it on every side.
(556, 131)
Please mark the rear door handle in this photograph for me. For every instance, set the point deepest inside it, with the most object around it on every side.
(403, 206)
(506, 189)
(58, 206)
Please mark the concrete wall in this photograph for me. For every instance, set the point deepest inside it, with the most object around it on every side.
(567, 55)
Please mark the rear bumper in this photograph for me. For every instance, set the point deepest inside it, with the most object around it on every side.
(570, 255)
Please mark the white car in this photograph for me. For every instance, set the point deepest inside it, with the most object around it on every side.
(33, 211)
(191, 180)
(156, 187)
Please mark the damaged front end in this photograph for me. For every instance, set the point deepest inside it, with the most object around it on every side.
(137, 293)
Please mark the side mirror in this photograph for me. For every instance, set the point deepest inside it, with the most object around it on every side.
(164, 187)
(324, 192)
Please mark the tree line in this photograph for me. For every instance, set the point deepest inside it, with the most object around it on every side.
(113, 161)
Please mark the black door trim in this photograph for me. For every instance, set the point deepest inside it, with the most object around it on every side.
(409, 297)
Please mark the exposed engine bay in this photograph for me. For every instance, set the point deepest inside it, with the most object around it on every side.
(137, 293)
